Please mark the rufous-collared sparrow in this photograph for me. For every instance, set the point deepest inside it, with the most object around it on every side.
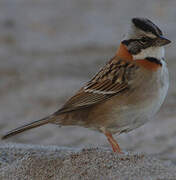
(125, 93)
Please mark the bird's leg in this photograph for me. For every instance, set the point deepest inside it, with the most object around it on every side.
(112, 141)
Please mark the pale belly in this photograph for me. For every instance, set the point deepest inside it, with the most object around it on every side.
(133, 116)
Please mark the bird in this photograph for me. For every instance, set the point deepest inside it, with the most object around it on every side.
(127, 91)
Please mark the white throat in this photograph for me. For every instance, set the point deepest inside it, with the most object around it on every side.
(156, 52)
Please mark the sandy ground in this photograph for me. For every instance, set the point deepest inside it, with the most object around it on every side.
(49, 49)
(51, 163)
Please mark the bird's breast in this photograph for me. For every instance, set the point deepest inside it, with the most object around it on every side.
(141, 104)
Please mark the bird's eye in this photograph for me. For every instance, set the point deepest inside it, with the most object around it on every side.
(144, 40)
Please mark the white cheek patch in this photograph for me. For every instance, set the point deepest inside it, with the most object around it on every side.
(156, 52)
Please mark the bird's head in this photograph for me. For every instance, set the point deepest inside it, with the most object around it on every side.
(145, 39)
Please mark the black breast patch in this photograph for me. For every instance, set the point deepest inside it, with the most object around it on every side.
(154, 60)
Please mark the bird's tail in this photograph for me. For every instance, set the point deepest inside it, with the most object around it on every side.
(31, 125)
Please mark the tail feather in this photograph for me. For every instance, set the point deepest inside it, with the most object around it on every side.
(26, 127)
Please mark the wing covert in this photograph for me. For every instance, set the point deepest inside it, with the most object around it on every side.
(112, 79)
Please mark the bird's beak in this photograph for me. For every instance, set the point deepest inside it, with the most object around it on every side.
(162, 41)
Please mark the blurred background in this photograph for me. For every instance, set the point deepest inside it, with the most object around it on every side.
(50, 48)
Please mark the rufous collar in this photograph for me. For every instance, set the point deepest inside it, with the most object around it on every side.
(123, 52)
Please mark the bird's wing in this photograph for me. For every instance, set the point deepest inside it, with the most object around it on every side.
(113, 79)
(116, 77)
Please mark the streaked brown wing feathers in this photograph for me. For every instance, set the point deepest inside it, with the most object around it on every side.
(111, 80)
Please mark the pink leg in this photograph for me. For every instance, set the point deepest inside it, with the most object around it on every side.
(112, 141)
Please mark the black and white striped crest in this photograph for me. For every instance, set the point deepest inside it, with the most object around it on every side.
(147, 26)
